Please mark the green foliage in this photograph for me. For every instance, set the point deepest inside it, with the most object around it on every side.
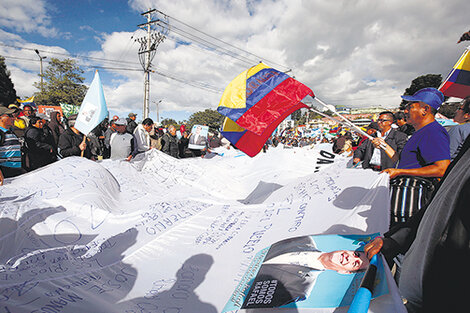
(169, 121)
(296, 115)
(208, 117)
(301, 119)
(428, 80)
(62, 83)
(449, 109)
(7, 89)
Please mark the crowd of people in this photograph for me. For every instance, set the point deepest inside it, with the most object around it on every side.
(423, 159)
(30, 140)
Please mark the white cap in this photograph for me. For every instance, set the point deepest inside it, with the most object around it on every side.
(121, 121)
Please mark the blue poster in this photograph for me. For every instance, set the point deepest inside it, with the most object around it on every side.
(321, 271)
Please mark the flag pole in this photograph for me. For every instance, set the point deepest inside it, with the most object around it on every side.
(83, 151)
(361, 300)
(325, 115)
(348, 122)
(453, 69)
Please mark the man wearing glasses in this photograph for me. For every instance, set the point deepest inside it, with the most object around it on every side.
(382, 152)
(10, 148)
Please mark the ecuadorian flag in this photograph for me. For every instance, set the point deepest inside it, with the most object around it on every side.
(457, 83)
(255, 102)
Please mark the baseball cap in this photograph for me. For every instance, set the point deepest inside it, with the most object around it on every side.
(132, 114)
(430, 96)
(5, 110)
(121, 121)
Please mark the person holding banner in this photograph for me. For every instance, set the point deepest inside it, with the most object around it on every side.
(424, 158)
(72, 142)
(436, 245)
(142, 135)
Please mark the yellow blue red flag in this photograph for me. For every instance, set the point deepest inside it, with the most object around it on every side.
(255, 102)
(457, 83)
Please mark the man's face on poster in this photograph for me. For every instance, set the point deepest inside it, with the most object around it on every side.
(198, 129)
(345, 261)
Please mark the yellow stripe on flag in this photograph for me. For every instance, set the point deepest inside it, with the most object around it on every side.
(464, 62)
(234, 96)
(231, 126)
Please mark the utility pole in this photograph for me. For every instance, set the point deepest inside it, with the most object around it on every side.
(147, 50)
(40, 73)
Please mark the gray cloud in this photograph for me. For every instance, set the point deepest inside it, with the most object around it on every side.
(355, 53)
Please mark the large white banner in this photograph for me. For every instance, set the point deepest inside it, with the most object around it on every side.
(164, 235)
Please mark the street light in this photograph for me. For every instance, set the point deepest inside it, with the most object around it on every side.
(158, 113)
(40, 59)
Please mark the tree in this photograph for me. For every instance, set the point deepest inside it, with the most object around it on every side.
(62, 83)
(449, 109)
(208, 117)
(169, 121)
(429, 80)
(7, 89)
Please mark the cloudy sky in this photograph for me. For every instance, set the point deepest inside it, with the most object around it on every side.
(352, 53)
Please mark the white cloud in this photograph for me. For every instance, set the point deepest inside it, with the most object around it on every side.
(28, 16)
(355, 53)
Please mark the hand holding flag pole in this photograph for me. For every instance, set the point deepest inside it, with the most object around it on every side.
(93, 109)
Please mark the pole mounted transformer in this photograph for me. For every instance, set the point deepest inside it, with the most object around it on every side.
(157, 30)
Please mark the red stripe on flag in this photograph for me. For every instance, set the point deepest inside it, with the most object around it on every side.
(251, 143)
(450, 89)
(273, 106)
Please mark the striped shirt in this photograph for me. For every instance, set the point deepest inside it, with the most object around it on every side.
(10, 150)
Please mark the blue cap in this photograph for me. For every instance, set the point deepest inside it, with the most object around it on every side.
(430, 96)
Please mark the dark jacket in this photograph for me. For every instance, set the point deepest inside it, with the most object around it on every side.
(182, 146)
(395, 139)
(293, 282)
(170, 145)
(437, 245)
(131, 126)
(56, 127)
(407, 129)
(69, 142)
(214, 142)
(39, 147)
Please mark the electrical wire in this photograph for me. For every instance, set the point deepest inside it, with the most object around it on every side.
(224, 42)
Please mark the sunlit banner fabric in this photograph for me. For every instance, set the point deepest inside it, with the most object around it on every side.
(457, 83)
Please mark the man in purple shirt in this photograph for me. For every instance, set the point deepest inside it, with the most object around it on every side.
(426, 153)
